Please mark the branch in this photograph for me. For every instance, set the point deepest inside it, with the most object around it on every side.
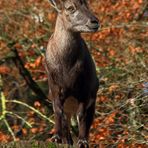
(30, 82)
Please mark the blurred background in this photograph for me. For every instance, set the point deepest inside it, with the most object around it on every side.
(120, 50)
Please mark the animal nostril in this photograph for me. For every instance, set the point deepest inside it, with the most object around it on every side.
(94, 22)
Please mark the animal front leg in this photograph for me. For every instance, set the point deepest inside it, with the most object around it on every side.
(66, 129)
(58, 111)
(85, 119)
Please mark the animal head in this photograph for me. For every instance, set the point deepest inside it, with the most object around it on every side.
(76, 15)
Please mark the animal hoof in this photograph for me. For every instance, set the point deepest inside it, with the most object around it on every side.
(82, 143)
(70, 141)
(56, 139)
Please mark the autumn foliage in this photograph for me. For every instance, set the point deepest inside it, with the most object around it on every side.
(120, 50)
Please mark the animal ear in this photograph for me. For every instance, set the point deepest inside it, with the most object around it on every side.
(56, 4)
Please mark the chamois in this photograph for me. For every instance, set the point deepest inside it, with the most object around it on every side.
(72, 78)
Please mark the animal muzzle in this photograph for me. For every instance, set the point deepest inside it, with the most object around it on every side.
(93, 24)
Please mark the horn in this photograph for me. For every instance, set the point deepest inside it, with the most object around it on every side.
(54, 5)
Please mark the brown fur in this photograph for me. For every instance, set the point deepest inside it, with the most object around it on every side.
(72, 79)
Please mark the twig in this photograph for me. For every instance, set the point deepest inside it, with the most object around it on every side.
(9, 129)
(123, 25)
(3, 116)
(27, 123)
(31, 108)
(3, 100)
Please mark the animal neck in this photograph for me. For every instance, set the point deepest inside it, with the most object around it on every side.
(65, 38)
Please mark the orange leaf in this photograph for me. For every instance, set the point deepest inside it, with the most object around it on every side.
(34, 130)
(37, 104)
(4, 138)
(38, 61)
(24, 131)
(113, 87)
(52, 131)
(110, 119)
(4, 70)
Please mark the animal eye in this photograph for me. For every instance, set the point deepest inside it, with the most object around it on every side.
(71, 9)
